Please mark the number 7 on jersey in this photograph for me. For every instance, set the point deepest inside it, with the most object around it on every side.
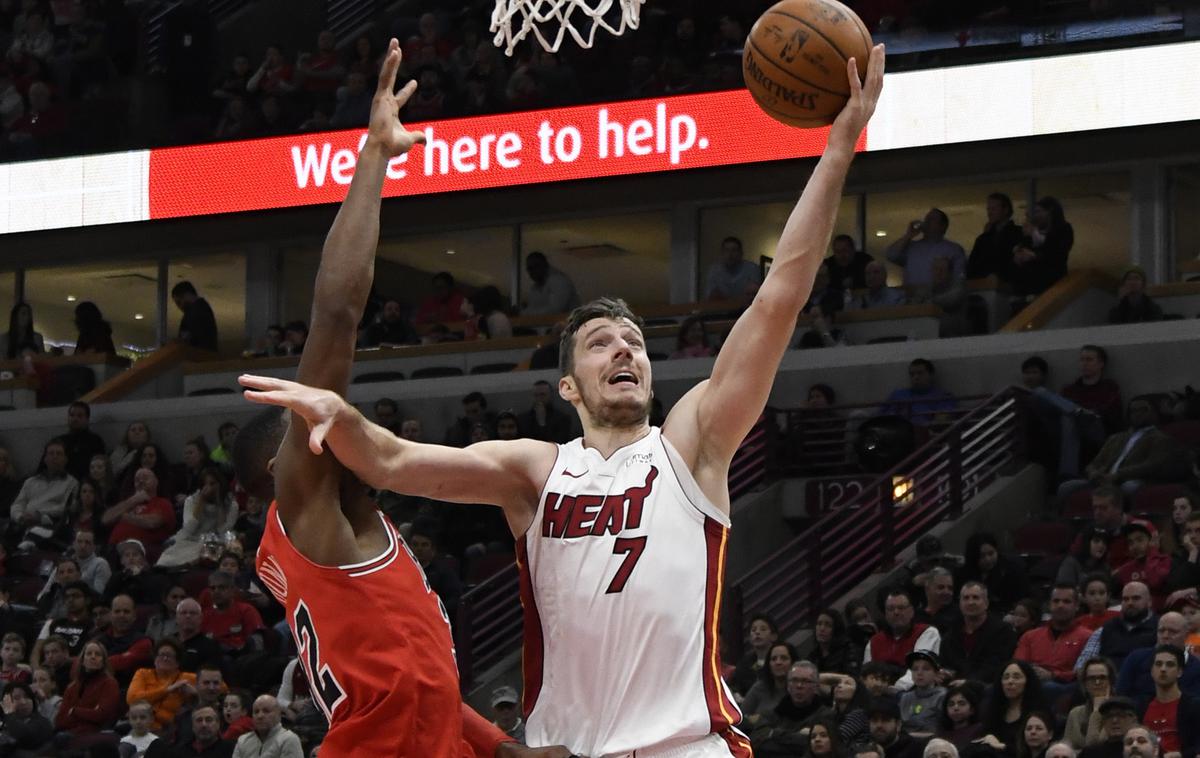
(632, 547)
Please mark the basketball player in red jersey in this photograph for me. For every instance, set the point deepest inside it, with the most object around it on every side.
(621, 534)
(373, 639)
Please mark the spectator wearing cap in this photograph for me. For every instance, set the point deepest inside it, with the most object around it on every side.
(887, 730)
(229, 621)
(784, 730)
(144, 516)
(1172, 714)
(1136, 677)
(508, 715)
(976, 646)
(74, 627)
(1146, 564)
(1136, 627)
(1133, 457)
(1134, 306)
(1118, 715)
(921, 706)
(136, 578)
(901, 636)
(1053, 649)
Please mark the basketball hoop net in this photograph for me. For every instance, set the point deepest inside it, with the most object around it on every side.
(550, 20)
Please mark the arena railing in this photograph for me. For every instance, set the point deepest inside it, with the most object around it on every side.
(865, 534)
(489, 622)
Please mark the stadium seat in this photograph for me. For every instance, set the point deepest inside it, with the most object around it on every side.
(492, 368)
(1156, 499)
(434, 372)
(1079, 504)
(1186, 432)
(1043, 537)
(25, 591)
(194, 582)
(378, 376)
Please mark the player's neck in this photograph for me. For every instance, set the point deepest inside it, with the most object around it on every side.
(607, 440)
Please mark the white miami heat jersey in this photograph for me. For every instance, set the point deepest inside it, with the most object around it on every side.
(621, 579)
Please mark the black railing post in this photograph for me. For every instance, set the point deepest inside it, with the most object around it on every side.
(464, 642)
(954, 471)
(887, 545)
(816, 599)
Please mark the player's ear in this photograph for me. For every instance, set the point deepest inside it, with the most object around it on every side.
(566, 388)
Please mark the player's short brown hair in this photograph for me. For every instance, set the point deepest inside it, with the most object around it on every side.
(603, 307)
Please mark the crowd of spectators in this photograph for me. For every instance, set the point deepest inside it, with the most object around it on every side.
(93, 75)
(130, 614)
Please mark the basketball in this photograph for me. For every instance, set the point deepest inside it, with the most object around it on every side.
(795, 57)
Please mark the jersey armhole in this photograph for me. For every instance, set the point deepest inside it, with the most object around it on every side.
(537, 508)
(687, 483)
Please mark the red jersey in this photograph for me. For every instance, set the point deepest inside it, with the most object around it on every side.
(375, 644)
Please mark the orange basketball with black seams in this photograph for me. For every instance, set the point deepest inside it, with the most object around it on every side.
(795, 59)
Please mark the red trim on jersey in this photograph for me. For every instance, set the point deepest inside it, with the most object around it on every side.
(722, 711)
(738, 743)
(533, 654)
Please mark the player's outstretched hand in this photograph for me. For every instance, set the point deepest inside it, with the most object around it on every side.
(385, 128)
(517, 750)
(864, 96)
(317, 407)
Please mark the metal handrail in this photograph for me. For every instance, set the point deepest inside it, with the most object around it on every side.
(893, 511)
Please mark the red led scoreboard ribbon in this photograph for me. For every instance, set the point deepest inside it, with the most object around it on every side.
(560, 144)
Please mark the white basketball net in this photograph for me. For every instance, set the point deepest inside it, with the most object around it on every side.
(550, 20)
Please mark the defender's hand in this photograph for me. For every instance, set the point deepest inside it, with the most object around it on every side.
(319, 408)
(385, 128)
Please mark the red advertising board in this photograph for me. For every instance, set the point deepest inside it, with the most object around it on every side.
(583, 142)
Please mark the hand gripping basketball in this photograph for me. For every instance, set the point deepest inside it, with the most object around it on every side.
(385, 128)
(863, 98)
(319, 408)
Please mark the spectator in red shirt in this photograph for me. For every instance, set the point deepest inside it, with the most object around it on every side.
(230, 622)
(1171, 714)
(1146, 564)
(444, 305)
(274, 76)
(143, 516)
(1097, 594)
(1053, 649)
(236, 715)
(320, 72)
(12, 660)
(92, 701)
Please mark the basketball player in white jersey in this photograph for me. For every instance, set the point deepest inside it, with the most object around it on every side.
(621, 534)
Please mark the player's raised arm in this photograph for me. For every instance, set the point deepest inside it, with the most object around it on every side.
(713, 419)
(505, 473)
(348, 258)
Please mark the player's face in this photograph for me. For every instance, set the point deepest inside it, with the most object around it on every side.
(611, 377)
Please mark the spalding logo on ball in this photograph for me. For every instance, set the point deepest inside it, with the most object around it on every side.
(795, 60)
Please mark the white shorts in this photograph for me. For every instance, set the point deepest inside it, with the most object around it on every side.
(712, 746)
